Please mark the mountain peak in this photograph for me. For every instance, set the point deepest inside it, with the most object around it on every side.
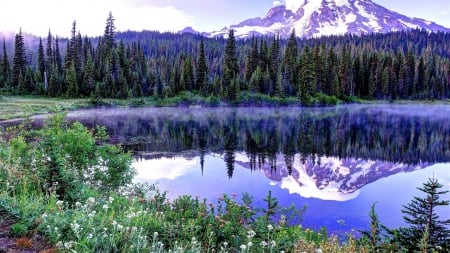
(314, 18)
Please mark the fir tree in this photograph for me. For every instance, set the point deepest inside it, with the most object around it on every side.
(41, 60)
(72, 84)
(19, 62)
(291, 59)
(187, 75)
(421, 215)
(4, 68)
(109, 37)
(274, 60)
(201, 74)
(231, 67)
(252, 59)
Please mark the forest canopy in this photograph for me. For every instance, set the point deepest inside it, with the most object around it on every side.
(410, 64)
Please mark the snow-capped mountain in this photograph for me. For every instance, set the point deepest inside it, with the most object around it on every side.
(316, 18)
(331, 178)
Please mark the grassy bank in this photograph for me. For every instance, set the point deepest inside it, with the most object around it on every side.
(17, 107)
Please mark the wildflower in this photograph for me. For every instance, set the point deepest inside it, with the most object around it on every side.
(68, 245)
(92, 214)
(105, 207)
(225, 244)
(77, 204)
(110, 199)
(44, 216)
(251, 234)
(75, 226)
(243, 247)
(273, 244)
(91, 200)
(270, 227)
(249, 244)
(90, 236)
(59, 203)
(282, 220)
(155, 234)
(263, 244)
(234, 194)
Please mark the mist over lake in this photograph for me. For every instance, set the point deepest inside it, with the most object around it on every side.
(337, 161)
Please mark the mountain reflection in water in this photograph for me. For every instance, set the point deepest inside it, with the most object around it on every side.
(337, 160)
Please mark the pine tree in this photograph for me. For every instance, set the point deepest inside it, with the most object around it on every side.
(71, 47)
(72, 84)
(231, 67)
(4, 68)
(19, 62)
(109, 38)
(252, 59)
(308, 77)
(49, 52)
(187, 75)
(291, 60)
(201, 74)
(279, 86)
(58, 59)
(421, 215)
(274, 63)
(41, 60)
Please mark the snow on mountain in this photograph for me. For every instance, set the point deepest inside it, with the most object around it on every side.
(331, 178)
(316, 18)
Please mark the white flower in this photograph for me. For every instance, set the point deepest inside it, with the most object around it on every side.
(225, 244)
(105, 207)
(263, 244)
(59, 203)
(75, 226)
(90, 236)
(77, 204)
(110, 199)
(91, 200)
(270, 227)
(155, 234)
(273, 244)
(243, 247)
(68, 245)
(249, 244)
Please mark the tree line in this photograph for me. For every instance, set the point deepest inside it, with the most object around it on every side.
(410, 64)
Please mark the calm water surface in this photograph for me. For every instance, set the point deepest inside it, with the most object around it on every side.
(337, 161)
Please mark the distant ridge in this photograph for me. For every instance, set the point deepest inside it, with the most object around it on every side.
(315, 18)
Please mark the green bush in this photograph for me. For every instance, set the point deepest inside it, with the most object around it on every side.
(64, 159)
(18, 230)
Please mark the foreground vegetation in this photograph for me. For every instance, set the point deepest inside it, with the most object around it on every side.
(66, 183)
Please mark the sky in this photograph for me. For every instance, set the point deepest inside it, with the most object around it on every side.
(39, 16)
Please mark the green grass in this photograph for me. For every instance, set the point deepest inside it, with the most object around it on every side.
(18, 107)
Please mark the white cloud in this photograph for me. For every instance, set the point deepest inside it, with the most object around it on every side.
(290, 4)
(57, 15)
(164, 168)
(276, 3)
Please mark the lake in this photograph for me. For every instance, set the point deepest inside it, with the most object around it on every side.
(337, 161)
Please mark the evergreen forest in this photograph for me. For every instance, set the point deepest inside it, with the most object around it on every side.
(407, 65)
